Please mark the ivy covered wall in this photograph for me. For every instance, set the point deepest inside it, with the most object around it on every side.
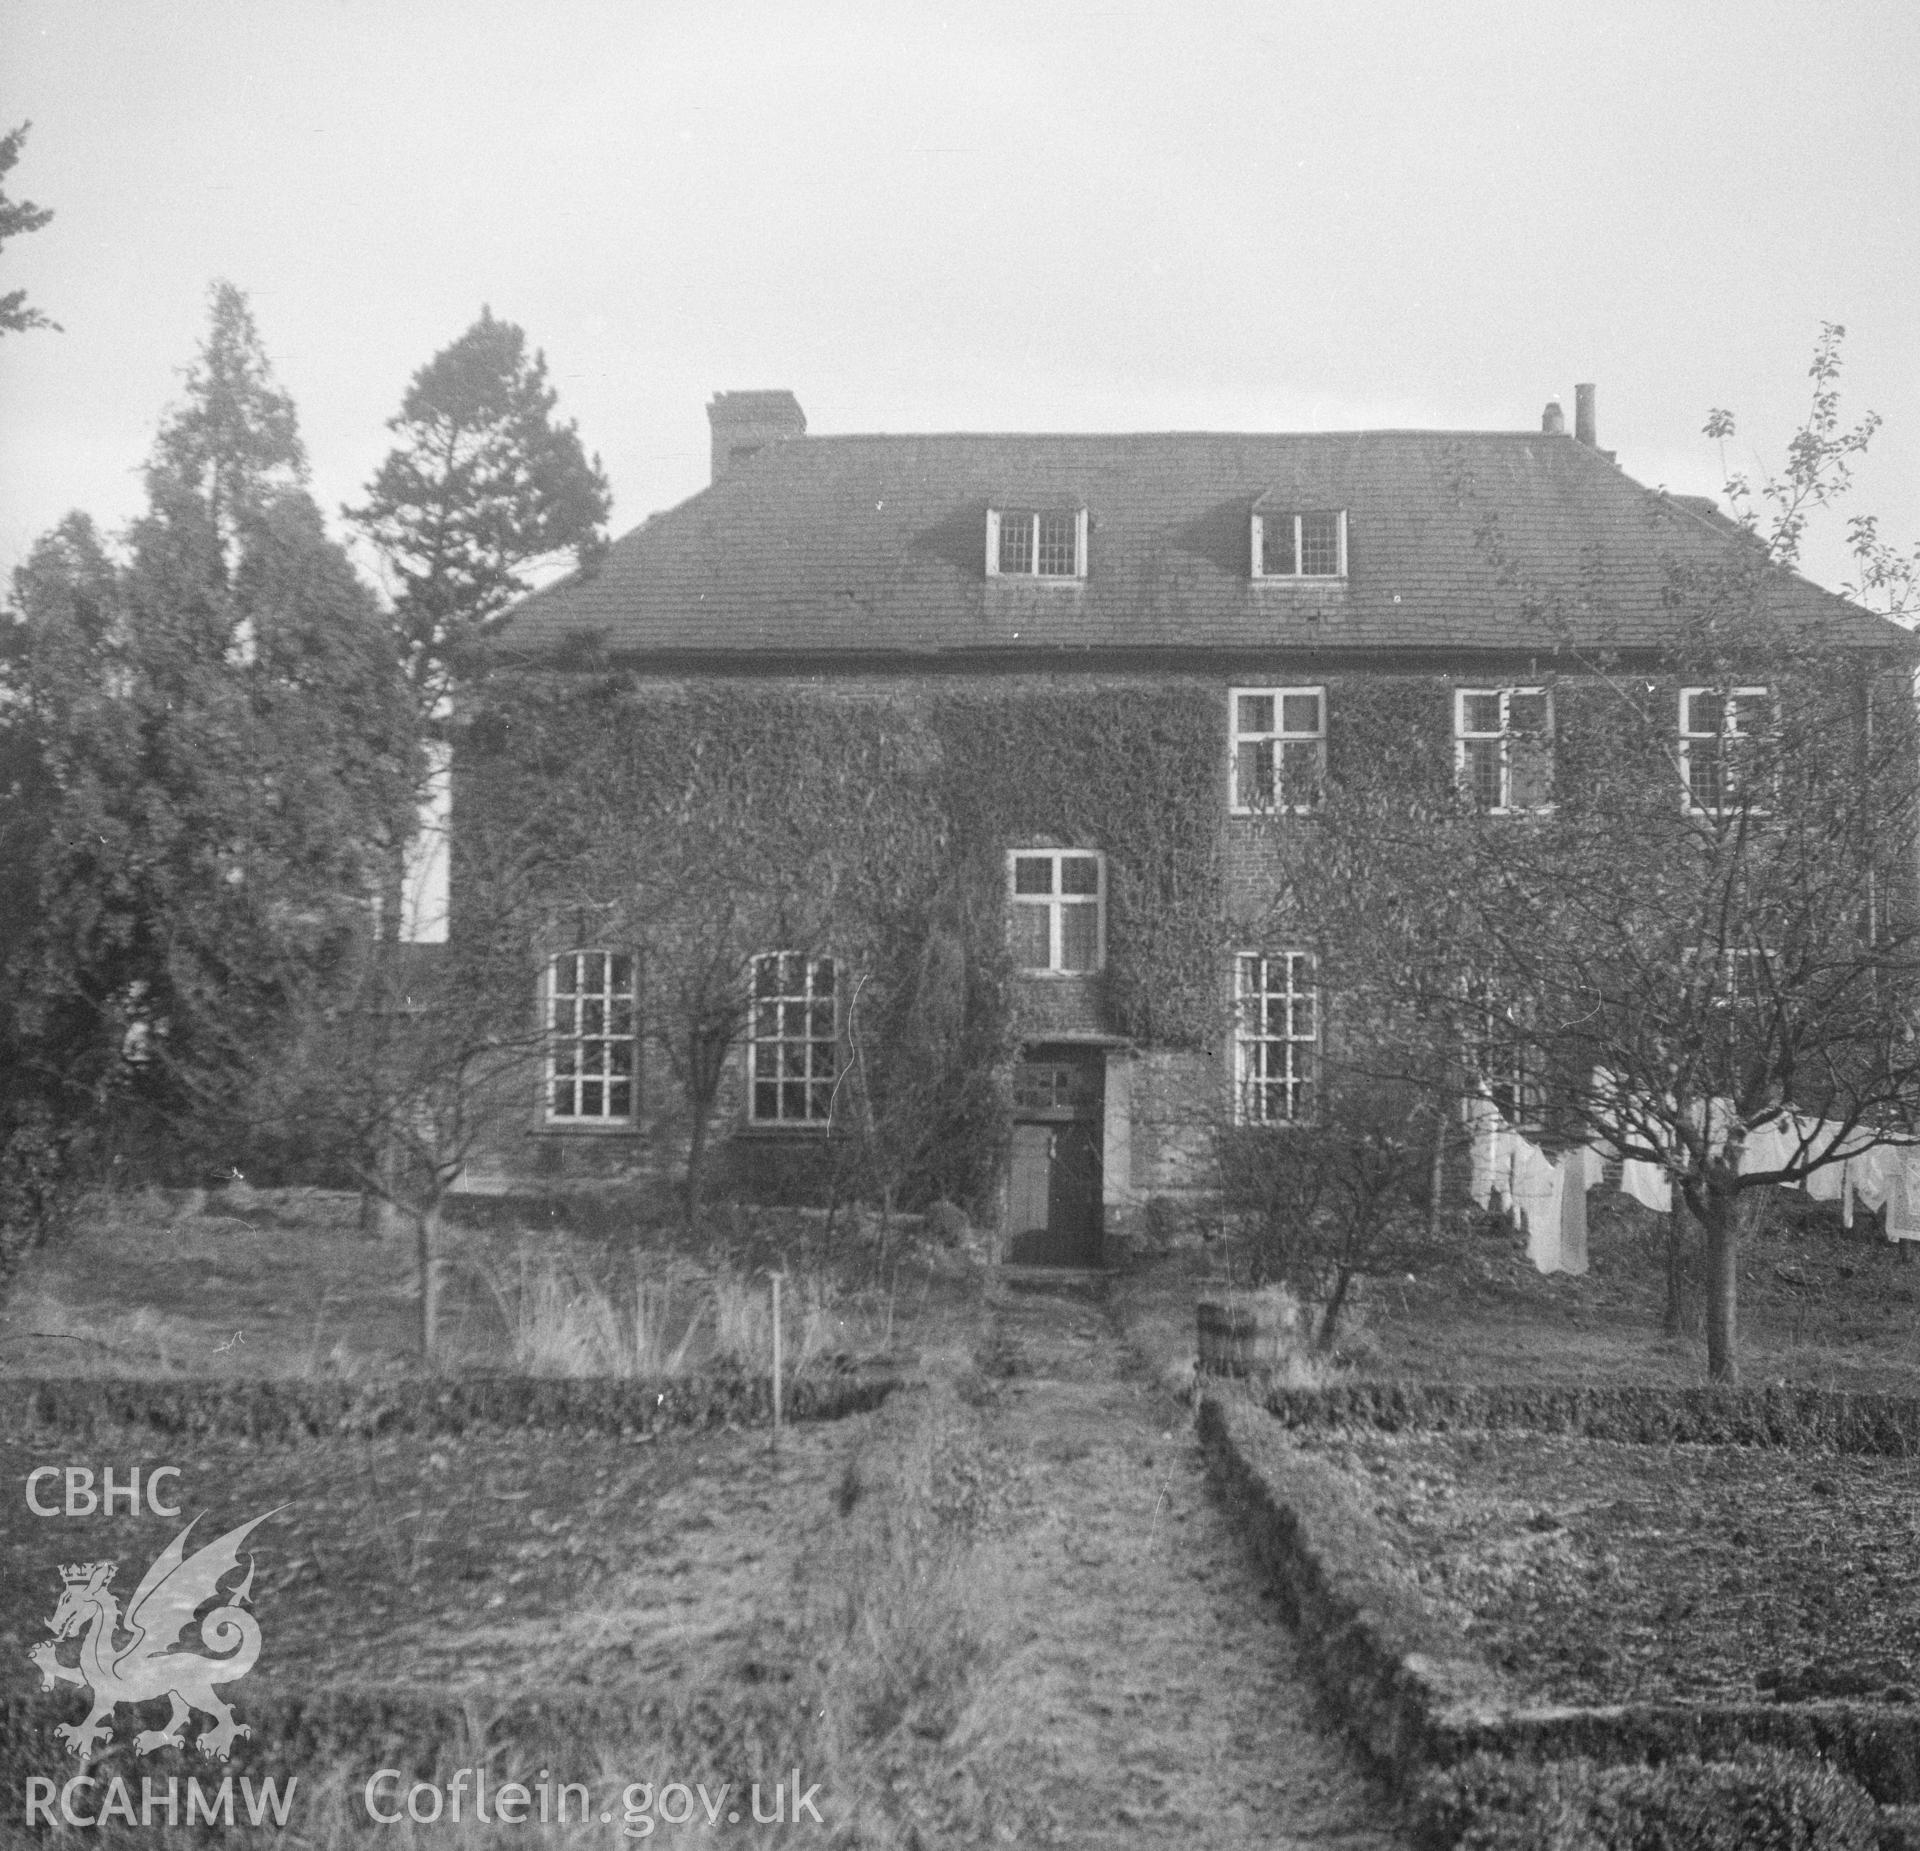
(703, 819)
(870, 815)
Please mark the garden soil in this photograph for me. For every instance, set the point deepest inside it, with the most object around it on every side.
(1128, 1680)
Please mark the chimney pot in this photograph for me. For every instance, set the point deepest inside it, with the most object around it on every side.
(745, 423)
(1553, 420)
(1583, 424)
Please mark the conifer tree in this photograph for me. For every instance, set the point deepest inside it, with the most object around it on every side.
(17, 218)
(220, 758)
(484, 487)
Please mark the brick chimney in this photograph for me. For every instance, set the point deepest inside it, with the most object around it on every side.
(1553, 420)
(744, 423)
(1583, 425)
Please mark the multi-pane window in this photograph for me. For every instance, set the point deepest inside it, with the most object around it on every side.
(1723, 736)
(793, 1040)
(1045, 543)
(1279, 747)
(1300, 545)
(1057, 910)
(1503, 747)
(590, 1027)
(1736, 977)
(1276, 1040)
(1503, 1055)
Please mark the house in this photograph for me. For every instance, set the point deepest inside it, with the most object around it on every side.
(1104, 673)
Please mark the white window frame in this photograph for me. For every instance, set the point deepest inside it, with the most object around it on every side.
(1298, 1082)
(1735, 968)
(1279, 737)
(769, 1047)
(604, 1072)
(1299, 575)
(1504, 1057)
(1056, 902)
(996, 517)
(1507, 738)
(1688, 736)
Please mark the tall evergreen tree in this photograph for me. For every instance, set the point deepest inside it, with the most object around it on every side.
(484, 487)
(229, 453)
(222, 758)
(18, 217)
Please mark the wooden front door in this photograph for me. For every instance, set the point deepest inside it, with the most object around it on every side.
(1054, 1193)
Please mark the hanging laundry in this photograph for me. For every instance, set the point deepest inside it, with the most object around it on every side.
(1903, 1196)
(1505, 1144)
(1648, 1184)
(1871, 1175)
(1579, 1171)
(1772, 1146)
(1483, 1118)
(1719, 1118)
(1537, 1183)
(1829, 1182)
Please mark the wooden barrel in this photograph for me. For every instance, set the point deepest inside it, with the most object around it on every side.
(1242, 1337)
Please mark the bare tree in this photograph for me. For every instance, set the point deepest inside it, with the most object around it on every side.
(1711, 922)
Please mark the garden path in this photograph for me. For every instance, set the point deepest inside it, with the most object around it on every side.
(1151, 1694)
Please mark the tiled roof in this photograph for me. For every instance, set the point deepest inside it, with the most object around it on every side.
(877, 546)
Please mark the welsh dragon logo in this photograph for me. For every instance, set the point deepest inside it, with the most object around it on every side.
(139, 1657)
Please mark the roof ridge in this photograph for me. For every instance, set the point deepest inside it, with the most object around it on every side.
(814, 439)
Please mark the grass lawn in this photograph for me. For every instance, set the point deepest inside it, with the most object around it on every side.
(768, 1605)
(1819, 1305)
(284, 1283)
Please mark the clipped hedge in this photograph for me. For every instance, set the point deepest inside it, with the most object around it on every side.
(1791, 1418)
(579, 1735)
(287, 1411)
(1407, 1689)
(1394, 1671)
(1763, 1801)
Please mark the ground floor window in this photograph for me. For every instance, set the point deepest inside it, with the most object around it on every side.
(793, 1040)
(1504, 1055)
(1276, 1037)
(590, 1024)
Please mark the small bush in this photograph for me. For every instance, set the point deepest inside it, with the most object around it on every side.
(743, 1322)
(36, 1189)
(559, 1323)
(1764, 1801)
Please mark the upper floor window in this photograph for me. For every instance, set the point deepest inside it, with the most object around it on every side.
(793, 1040)
(1279, 748)
(1058, 910)
(1503, 747)
(1049, 543)
(1723, 735)
(1300, 545)
(1276, 1040)
(590, 1027)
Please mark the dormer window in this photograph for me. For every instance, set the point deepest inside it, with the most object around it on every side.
(1045, 543)
(1303, 545)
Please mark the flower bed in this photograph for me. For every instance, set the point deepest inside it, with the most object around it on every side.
(1544, 1598)
(1591, 1572)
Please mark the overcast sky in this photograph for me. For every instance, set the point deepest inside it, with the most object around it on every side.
(1242, 214)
